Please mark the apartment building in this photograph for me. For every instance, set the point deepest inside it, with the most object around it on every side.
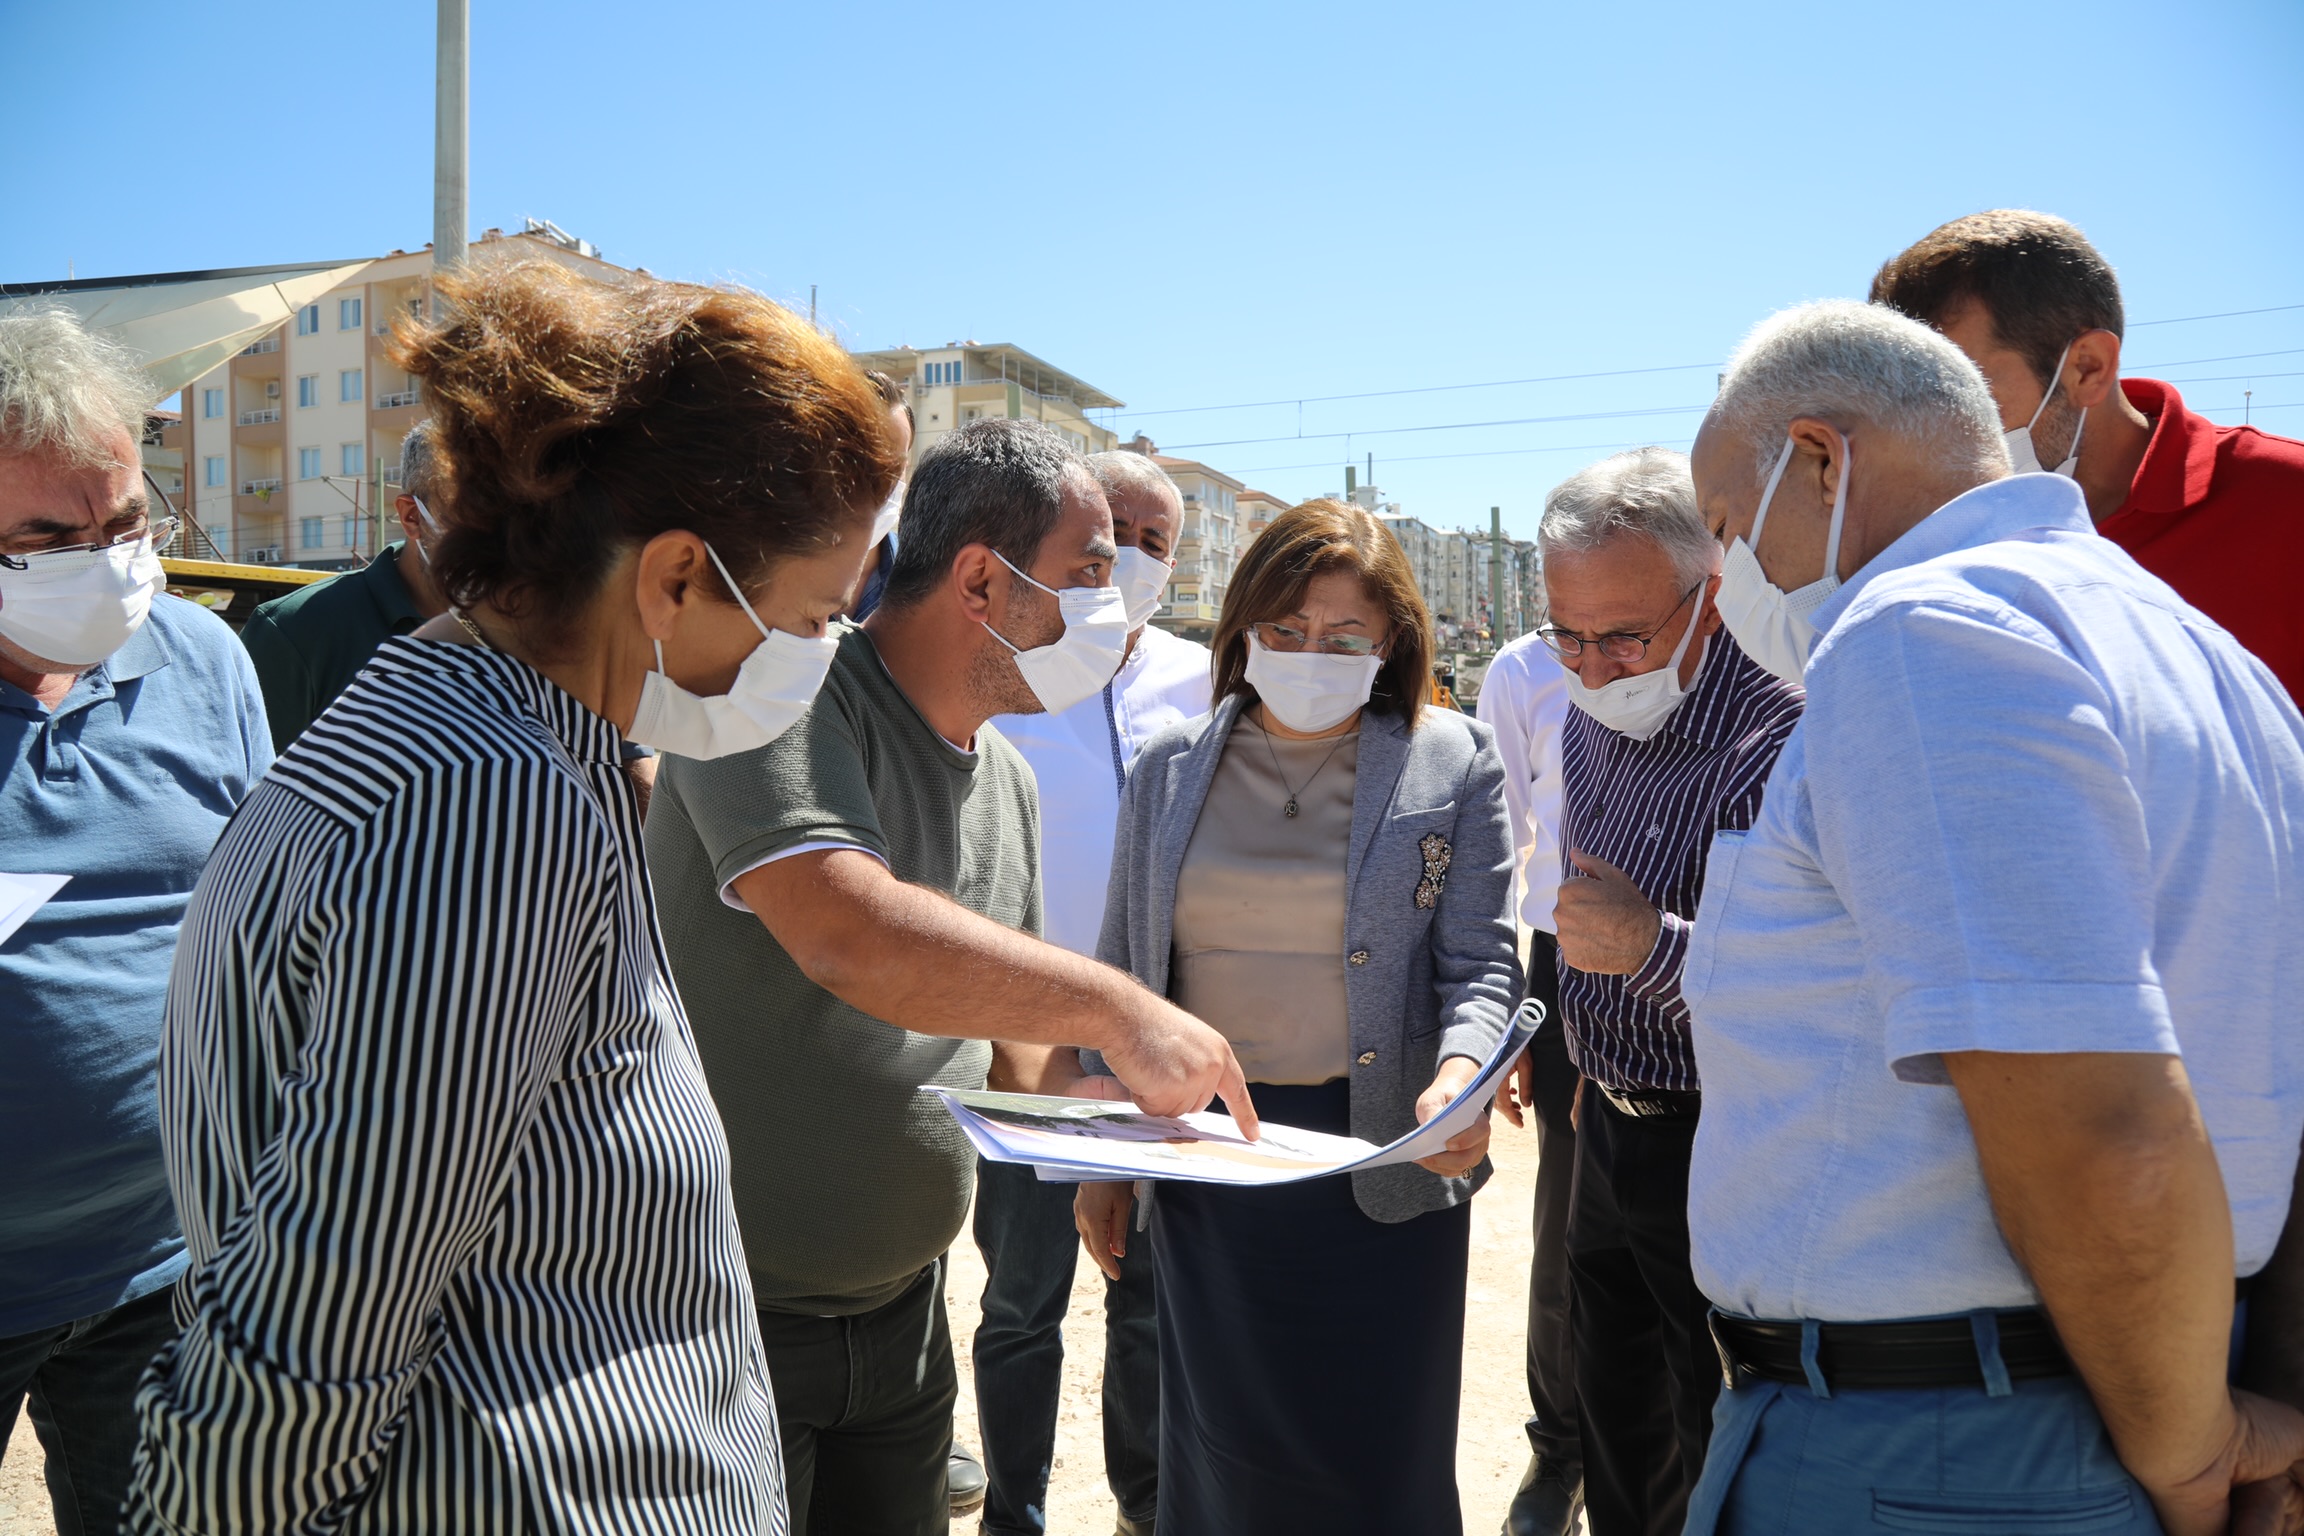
(1207, 548)
(1256, 509)
(965, 381)
(1523, 588)
(290, 452)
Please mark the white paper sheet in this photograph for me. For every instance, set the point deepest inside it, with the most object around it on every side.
(23, 895)
(1074, 1139)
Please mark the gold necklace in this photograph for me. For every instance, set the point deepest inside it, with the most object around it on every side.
(472, 629)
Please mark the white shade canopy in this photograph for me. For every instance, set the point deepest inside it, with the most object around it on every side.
(182, 324)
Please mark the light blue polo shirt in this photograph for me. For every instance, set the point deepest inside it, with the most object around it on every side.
(124, 787)
(2038, 803)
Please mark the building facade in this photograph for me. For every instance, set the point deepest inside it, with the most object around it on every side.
(1256, 509)
(963, 381)
(289, 453)
(1207, 548)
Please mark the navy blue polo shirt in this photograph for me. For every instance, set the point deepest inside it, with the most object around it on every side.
(124, 786)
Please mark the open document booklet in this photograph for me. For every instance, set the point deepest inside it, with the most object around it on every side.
(1075, 1139)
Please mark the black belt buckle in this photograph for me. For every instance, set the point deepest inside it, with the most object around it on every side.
(1653, 1103)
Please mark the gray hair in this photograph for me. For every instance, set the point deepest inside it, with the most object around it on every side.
(1123, 470)
(1647, 492)
(1851, 363)
(998, 482)
(64, 389)
(420, 462)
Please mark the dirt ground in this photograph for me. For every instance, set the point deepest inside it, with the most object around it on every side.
(1490, 1449)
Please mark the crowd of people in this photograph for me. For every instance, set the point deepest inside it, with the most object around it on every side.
(470, 1079)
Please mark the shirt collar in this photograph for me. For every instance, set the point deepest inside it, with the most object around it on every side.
(1996, 510)
(586, 735)
(2179, 461)
(1696, 718)
(144, 654)
(388, 589)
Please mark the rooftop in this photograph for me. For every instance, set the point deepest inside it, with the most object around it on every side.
(995, 362)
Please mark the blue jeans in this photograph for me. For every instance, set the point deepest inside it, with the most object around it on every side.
(1024, 1230)
(1947, 1460)
(80, 1379)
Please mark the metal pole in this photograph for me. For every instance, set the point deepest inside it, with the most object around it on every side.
(450, 156)
(1496, 576)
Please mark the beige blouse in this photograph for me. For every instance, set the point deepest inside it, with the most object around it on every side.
(1260, 905)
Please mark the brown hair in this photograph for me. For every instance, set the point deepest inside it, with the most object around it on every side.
(1313, 539)
(892, 395)
(2039, 280)
(579, 417)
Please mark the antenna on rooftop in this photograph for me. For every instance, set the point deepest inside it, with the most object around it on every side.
(811, 306)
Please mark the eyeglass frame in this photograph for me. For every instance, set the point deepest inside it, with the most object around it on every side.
(1321, 646)
(1552, 634)
(162, 531)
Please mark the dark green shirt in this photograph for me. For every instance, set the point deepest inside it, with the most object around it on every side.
(310, 644)
(848, 1179)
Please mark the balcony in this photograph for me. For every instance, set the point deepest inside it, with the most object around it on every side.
(259, 487)
(393, 400)
(259, 348)
(263, 417)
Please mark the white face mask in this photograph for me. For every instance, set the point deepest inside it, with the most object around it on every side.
(1308, 691)
(1082, 659)
(2022, 455)
(891, 511)
(1772, 625)
(1141, 579)
(77, 607)
(773, 688)
(1637, 706)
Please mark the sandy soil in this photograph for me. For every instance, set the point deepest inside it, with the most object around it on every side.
(1490, 1448)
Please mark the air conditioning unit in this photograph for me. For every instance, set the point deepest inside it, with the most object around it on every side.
(271, 389)
(269, 555)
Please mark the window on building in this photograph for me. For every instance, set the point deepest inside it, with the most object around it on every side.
(307, 463)
(308, 389)
(351, 532)
(211, 403)
(355, 459)
(310, 531)
(348, 385)
(212, 470)
(308, 320)
(347, 314)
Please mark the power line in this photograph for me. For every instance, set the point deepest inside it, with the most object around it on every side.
(2229, 314)
(1424, 389)
(1621, 373)
(1451, 426)
(1483, 453)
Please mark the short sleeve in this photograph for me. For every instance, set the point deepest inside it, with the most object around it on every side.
(1975, 813)
(809, 785)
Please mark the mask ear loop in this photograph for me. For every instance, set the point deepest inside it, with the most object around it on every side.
(1839, 515)
(2055, 382)
(742, 601)
(1767, 495)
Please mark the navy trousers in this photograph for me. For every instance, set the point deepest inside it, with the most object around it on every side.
(80, 1381)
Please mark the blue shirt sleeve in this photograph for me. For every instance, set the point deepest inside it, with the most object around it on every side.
(1993, 851)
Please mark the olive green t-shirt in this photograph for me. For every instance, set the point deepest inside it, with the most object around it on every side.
(848, 1179)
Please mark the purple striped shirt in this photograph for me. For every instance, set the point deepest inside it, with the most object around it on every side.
(1650, 808)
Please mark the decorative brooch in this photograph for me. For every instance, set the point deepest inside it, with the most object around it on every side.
(1436, 853)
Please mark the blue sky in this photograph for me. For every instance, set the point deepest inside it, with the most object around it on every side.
(1193, 205)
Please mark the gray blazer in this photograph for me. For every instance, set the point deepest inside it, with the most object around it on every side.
(1423, 981)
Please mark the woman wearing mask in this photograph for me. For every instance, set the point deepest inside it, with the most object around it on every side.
(1320, 869)
(463, 1252)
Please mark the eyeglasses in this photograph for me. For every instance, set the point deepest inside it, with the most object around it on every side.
(1617, 647)
(161, 532)
(1279, 637)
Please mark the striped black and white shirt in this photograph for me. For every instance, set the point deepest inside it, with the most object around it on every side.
(1650, 808)
(463, 1254)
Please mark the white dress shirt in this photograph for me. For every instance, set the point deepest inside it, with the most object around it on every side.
(1524, 698)
(2038, 803)
(1081, 759)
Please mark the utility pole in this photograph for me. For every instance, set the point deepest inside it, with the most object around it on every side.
(1496, 578)
(450, 136)
(811, 306)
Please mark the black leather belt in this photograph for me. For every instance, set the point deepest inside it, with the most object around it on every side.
(1936, 1352)
(1653, 1103)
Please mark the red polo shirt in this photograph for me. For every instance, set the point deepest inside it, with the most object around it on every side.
(2218, 514)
